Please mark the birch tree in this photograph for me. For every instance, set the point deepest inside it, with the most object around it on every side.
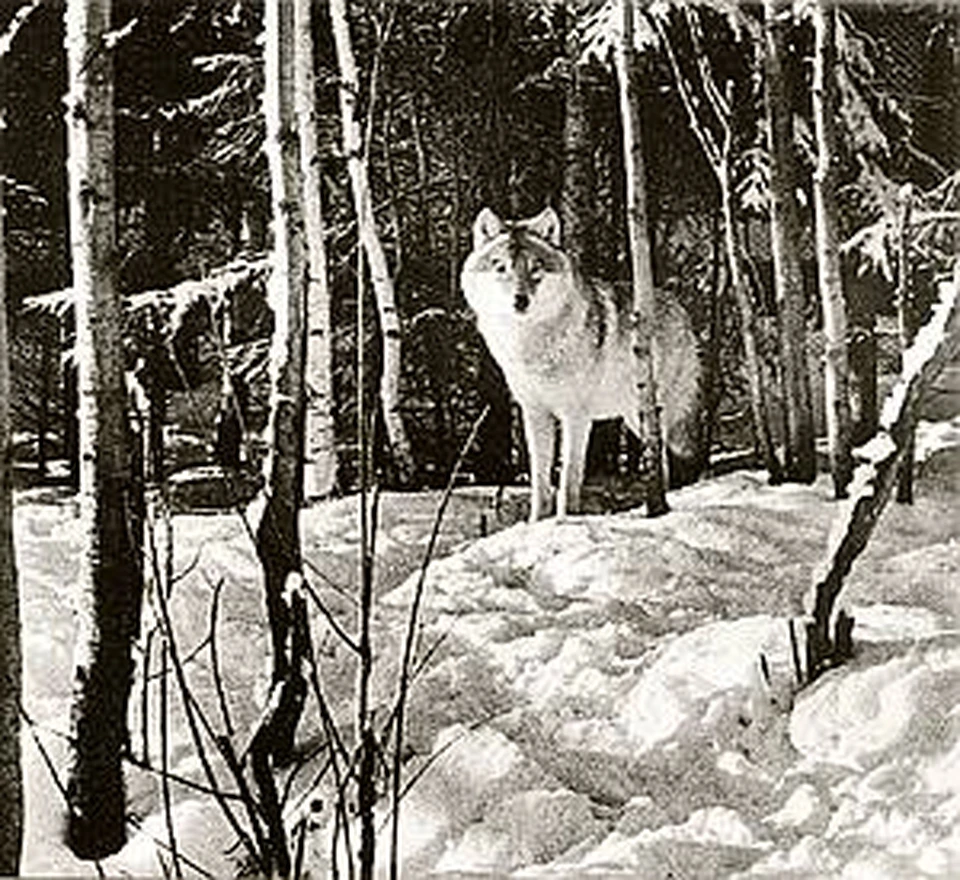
(836, 365)
(785, 234)
(110, 581)
(936, 345)
(641, 269)
(355, 152)
(320, 464)
(278, 535)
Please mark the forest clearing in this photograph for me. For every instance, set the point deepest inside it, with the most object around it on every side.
(479, 438)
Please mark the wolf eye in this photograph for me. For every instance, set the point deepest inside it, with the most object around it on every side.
(500, 267)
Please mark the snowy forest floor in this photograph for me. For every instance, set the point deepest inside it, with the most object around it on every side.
(594, 704)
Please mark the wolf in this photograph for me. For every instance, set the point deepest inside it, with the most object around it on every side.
(564, 345)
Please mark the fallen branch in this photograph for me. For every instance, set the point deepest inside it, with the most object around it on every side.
(937, 342)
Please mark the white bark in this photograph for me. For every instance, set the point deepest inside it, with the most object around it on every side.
(320, 464)
(110, 581)
(641, 267)
(836, 365)
(380, 277)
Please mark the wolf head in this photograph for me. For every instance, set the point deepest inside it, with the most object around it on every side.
(516, 269)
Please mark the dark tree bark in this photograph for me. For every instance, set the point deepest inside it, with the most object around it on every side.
(785, 233)
(11, 655)
(494, 464)
(110, 582)
(861, 313)
(278, 534)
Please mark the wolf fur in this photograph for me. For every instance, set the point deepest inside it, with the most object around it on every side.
(564, 345)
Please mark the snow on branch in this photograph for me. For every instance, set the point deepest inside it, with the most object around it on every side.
(17, 22)
(937, 342)
(176, 301)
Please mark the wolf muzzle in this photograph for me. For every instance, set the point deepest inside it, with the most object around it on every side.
(521, 301)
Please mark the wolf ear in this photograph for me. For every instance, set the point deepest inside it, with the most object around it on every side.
(547, 225)
(486, 227)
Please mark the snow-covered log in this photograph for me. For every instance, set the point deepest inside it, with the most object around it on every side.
(937, 342)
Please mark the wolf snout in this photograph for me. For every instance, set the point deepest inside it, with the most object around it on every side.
(521, 302)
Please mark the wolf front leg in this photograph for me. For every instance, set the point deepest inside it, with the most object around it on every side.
(575, 433)
(539, 428)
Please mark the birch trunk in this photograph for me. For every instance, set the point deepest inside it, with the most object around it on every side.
(785, 232)
(11, 656)
(641, 269)
(278, 534)
(320, 464)
(110, 581)
(380, 278)
(836, 366)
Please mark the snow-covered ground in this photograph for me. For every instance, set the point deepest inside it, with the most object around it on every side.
(606, 697)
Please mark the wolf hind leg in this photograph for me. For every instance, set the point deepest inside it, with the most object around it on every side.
(575, 434)
(539, 428)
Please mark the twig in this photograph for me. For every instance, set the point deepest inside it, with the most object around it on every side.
(190, 708)
(230, 756)
(32, 726)
(411, 639)
(215, 660)
(795, 651)
(137, 826)
(147, 767)
(336, 746)
(145, 696)
(344, 636)
(164, 767)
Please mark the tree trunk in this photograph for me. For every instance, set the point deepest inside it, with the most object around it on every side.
(759, 402)
(320, 465)
(640, 266)
(110, 581)
(862, 354)
(785, 234)
(278, 534)
(830, 282)
(380, 277)
(11, 657)
(905, 322)
(71, 427)
(935, 346)
(48, 341)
